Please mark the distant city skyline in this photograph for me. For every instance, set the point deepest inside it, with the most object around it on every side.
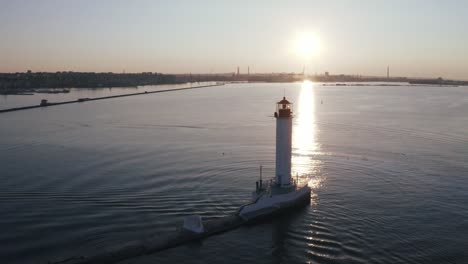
(415, 38)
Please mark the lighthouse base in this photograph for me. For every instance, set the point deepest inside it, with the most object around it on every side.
(269, 203)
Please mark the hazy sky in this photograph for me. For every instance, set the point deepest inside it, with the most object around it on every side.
(416, 38)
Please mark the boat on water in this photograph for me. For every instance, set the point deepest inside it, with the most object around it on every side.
(53, 91)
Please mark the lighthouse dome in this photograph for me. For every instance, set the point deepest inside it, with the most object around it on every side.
(284, 101)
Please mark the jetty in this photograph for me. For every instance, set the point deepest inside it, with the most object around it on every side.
(159, 243)
(45, 103)
(181, 236)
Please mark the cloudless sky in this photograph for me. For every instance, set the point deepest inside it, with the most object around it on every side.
(425, 38)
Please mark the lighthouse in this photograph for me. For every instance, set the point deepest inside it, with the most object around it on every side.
(283, 117)
(281, 192)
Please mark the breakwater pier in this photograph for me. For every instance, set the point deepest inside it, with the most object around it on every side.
(45, 103)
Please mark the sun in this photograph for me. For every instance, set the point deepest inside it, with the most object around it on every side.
(307, 45)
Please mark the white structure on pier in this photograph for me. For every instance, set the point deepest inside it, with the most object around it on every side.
(283, 117)
(282, 192)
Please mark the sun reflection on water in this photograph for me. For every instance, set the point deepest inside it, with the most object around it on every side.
(305, 145)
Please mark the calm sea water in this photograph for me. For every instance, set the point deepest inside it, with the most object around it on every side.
(388, 167)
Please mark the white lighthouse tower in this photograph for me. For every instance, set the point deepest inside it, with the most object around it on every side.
(281, 192)
(283, 117)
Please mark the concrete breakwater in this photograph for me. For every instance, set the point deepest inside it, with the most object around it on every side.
(81, 100)
(158, 243)
(181, 236)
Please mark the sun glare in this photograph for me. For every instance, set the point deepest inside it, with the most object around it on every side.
(307, 45)
(305, 145)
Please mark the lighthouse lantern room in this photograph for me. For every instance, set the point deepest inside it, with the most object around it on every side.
(283, 117)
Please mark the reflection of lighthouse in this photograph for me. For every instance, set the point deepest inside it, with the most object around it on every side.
(283, 142)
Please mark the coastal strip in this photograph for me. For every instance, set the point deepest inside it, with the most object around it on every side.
(81, 100)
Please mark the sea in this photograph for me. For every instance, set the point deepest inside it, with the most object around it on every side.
(387, 163)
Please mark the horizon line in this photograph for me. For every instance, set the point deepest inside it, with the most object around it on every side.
(243, 74)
